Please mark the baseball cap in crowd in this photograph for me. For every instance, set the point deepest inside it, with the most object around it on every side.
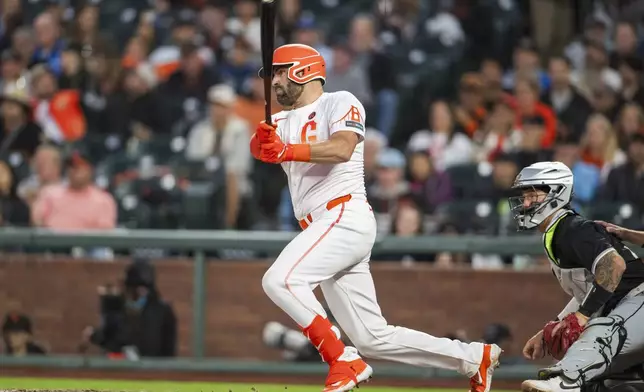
(391, 158)
(78, 158)
(15, 322)
(184, 17)
(222, 94)
(306, 22)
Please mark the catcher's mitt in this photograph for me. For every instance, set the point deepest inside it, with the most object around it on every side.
(557, 342)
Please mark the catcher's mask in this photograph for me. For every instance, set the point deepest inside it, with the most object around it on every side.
(543, 188)
(304, 63)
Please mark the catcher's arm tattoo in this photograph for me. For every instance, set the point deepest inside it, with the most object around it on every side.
(609, 270)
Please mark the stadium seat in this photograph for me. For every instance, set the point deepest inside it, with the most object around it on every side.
(202, 206)
(471, 216)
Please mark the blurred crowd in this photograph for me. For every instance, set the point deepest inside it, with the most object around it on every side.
(138, 113)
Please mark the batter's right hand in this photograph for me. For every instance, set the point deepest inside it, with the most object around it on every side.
(534, 347)
(265, 133)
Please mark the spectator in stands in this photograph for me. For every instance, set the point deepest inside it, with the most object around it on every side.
(607, 99)
(587, 176)
(212, 20)
(625, 43)
(470, 110)
(446, 147)
(504, 171)
(238, 66)
(10, 20)
(307, 33)
(571, 108)
(250, 106)
(596, 70)
(529, 110)
(626, 182)
(46, 169)
(630, 70)
(73, 72)
(374, 143)
(630, 122)
(17, 132)
(59, 113)
(136, 323)
(526, 66)
(135, 53)
(226, 136)
(345, 74)
(288, 15)
(12, 68)
(24, 43)
(49, 45)
(380, 68)
(595, 30)
(76, 205)
(599, 145)
(17, 336)
(430, 187)
(168, 58)
(491, 75)
(246, 23)
(390, 186)
(13, 211)
(101, 101)
(497, 134)
(144, 113)
(186, 90)
(85, 29)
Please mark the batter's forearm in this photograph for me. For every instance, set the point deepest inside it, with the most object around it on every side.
(331, 151)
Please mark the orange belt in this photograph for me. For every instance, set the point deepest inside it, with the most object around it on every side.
(304, 223)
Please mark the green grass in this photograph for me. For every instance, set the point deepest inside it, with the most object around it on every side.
(165, 386)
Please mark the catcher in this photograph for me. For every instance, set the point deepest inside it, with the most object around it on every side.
(598, 338)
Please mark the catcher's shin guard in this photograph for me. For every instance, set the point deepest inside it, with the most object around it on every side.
(591, 355)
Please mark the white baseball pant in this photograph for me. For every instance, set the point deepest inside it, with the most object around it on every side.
(334, 252)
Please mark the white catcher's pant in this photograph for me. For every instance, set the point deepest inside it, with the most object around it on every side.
(334, 252)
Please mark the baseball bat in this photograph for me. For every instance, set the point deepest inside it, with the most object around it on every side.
(268, 41)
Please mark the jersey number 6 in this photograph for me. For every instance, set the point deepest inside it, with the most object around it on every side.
(309, 127)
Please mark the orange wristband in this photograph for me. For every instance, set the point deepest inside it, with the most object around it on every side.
(298, 152)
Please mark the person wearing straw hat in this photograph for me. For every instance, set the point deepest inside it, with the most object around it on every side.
(17, 132)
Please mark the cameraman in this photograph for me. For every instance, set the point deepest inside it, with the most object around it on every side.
(135, 323)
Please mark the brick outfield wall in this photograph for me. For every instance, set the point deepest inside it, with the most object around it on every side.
(61, 298)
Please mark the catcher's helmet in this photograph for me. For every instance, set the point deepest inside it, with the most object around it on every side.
(555, 178)
(301, 59)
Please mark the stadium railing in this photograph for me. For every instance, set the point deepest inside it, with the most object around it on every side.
(266, 243)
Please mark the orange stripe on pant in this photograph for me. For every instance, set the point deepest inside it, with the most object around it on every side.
(315, 244)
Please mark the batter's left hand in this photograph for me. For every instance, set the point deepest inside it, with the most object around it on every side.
(274, 152)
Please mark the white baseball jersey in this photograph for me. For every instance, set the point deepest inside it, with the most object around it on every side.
(312, 185)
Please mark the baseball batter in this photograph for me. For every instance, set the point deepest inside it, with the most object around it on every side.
(318, 140)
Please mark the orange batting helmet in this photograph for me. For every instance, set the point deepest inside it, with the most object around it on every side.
(302, 60)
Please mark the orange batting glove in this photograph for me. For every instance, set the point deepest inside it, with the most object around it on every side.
(278, 152)
(265, 133)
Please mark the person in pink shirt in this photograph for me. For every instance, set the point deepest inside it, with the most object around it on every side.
(76, 205)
